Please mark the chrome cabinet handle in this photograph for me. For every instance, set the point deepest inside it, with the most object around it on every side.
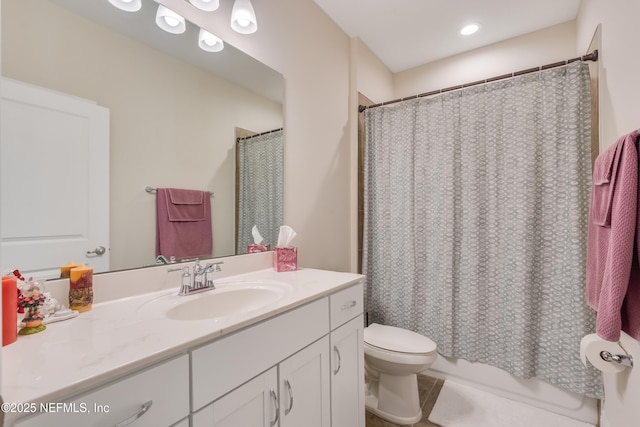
(274, 397)
(100, 250)
(145, 407)
(288, 385)
(335, 371)
(348, 305)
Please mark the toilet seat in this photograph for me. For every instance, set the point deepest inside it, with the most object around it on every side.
(397, 340)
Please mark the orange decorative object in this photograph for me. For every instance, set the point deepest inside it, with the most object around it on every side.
(81, 288)
(65, 270)
(9, 310)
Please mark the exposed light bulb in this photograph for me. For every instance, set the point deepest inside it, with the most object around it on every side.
(209, 42)
(243, 22)
(127, 5)
(243, 18)
(206, 5)
(170, 21)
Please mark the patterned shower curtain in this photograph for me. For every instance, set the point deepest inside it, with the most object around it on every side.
(475, 222)
(260, 188)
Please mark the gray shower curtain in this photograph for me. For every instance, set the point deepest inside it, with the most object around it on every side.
(475, 222)
(260, 188)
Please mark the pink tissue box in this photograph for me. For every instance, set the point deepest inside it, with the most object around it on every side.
(285, 258)
(253, 248)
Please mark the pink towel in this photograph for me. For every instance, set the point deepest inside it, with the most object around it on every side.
(613, 273)
(186, 205)
(183, 219)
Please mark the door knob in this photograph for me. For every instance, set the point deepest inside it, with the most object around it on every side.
(100, 250)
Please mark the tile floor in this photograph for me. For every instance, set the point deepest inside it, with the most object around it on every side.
(429, 389)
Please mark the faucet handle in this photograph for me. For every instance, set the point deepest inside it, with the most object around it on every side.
(211, 268)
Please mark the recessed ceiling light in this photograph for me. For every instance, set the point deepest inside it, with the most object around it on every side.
(467, 30)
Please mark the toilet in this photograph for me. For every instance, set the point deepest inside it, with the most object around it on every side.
(393, 358)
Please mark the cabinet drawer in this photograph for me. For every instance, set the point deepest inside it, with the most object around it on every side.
(346, 304)
(165, 386)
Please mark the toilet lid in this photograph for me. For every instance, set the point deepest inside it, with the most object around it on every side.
(397, 339)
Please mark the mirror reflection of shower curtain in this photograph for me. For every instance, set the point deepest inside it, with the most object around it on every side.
(260, 188)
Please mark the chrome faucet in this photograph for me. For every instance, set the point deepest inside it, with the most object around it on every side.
(201, 279)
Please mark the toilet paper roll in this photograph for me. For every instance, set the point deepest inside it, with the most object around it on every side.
(591, 346)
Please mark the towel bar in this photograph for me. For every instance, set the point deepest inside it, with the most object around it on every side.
(152, 190)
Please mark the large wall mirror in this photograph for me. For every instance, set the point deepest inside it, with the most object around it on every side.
(174, 110)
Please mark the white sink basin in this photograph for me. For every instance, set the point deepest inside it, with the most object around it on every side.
(228, 299)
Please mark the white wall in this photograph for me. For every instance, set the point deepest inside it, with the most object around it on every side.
(165, 131)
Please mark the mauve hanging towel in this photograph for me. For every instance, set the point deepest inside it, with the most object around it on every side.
(183, 219)
(613, 272)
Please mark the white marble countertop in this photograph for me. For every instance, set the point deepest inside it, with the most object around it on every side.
(113, 339)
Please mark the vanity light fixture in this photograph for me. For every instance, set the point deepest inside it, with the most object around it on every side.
(206, 5)
(127, 5)
(170, 21)
(243, 18)
(467, 30)
(209, 42)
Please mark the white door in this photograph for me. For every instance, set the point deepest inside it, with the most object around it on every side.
(305, 387)
(54, 177)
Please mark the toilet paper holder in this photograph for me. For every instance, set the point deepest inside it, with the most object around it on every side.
(620, 359)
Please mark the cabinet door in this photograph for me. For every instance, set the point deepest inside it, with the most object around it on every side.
(347, 375)
(305, 387)
(253, 404)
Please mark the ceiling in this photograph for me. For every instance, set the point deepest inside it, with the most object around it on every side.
(408, 33)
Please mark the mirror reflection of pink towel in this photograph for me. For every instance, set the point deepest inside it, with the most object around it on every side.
(186, 205)
(183, 219)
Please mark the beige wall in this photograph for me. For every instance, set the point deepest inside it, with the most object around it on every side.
(165, 131)
(542, 47)
(619, 114)
(374, 79)
(619, 63)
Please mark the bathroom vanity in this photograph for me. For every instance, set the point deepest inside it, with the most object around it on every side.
(150, 360)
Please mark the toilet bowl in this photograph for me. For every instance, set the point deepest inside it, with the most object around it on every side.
(393, 358)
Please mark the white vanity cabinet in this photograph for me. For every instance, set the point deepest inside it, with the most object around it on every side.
(347, 358)
(254, 404)
(294, 393)
(305, 395)
(301, 366)
(294, 370)
(158, 396)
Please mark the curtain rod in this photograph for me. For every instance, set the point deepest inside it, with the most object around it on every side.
(593, 56)
(238, 139)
